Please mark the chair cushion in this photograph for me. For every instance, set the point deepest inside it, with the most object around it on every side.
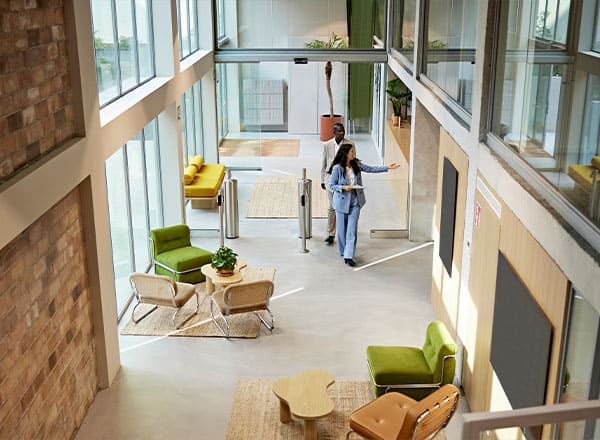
(381, 418)
(393, 365)
(184, 258)
(171, 237)
(197, 161)
(596, 162)
(207, 182)
(184, 293)
(189, 173)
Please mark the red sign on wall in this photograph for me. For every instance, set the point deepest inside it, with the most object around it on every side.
(477, 214)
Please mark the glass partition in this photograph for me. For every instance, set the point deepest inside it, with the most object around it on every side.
(403, 27)
(275, 24)
(449, 57)
(596, 41)
(192, 133)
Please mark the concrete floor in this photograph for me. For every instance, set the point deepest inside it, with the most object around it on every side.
(183, 387)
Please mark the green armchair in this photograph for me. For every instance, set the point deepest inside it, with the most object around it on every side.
(416, 372)
(174, 256)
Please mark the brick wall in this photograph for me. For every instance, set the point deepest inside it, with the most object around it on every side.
(35, 97)
(47, 351)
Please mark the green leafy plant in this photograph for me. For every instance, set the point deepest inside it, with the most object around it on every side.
(335, 42)
(224, 259)
(398, 94)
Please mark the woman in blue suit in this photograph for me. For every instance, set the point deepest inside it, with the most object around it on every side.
(348, 196)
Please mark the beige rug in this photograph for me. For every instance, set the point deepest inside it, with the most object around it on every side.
(158, 323)
(277, 197)
(255, 412)
(260, 147)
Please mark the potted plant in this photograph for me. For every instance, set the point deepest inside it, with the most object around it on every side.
(335, 42)
(224, 261)
(399, 95)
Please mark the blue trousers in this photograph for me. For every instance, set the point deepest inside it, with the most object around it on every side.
(347, 227)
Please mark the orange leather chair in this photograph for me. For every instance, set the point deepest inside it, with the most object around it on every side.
(395, 416)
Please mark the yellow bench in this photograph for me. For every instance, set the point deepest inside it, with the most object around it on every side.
(202, 182)
(587, 177)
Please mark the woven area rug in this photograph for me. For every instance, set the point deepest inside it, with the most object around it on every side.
(158, 323)
(255, 412)
(260, 147)
(277, 197)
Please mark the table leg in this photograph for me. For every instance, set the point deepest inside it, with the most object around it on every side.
(284, 412)
(210, 287)
(310, 430)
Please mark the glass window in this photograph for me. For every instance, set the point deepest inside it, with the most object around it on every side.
(134, 204)
(187, 15)
(580, 382)
(450, 52)
(596, 43)
(193, 140)
(551, 20)
(403, 27)
(124, 46)
(292, 24)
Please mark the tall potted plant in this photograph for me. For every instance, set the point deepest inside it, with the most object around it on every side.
(335, 42)
(399, 95)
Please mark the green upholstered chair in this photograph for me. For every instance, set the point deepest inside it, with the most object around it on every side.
(174, 256)
(416, 372)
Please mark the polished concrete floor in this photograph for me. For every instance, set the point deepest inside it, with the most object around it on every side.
(326, 314)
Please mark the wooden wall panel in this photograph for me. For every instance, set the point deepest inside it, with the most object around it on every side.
(477, 318)
(544, 279)
(445, 288)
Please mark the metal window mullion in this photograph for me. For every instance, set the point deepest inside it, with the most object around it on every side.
(145, 186)
(189, 34)
(135, 42)
(179, 30)
(200, 119)
(161, 213)
(128, 207)
(151, 37)
(113, 5)
(185, 127)
(197, 22)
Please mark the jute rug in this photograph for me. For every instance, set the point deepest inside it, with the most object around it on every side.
(277, 197)
(158, 323)
(255, 412)
(260, 147)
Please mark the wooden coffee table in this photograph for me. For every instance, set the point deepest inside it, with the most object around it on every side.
(305, 396)
(214, 280)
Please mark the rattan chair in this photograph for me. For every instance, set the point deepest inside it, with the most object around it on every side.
(161, 290)
(244, 297)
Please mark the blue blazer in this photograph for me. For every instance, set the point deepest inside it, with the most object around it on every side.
(341, 199)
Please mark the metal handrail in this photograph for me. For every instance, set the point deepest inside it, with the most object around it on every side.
(475, 423)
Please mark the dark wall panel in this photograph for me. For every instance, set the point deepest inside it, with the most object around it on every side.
(448, 214)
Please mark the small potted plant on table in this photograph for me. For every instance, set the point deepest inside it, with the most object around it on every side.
(223, 261)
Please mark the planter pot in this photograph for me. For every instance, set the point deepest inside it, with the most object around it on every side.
(224, 272)
(327, 126)
(395, 120)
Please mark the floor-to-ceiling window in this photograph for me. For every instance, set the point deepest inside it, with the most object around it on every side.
(404, 14)
(546, 105)
(449, 56)
(193, 138)
(581, 370)
(133, 183)
(124, 46)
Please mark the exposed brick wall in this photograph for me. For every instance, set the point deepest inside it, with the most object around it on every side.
(47, 352)
(36, 113)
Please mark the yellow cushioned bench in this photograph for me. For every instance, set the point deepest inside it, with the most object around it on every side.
(202, 181)
(584, 174)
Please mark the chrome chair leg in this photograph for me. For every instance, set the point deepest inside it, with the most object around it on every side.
(189, 317)
(269, 327)
(144, 315)
(212, 316)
